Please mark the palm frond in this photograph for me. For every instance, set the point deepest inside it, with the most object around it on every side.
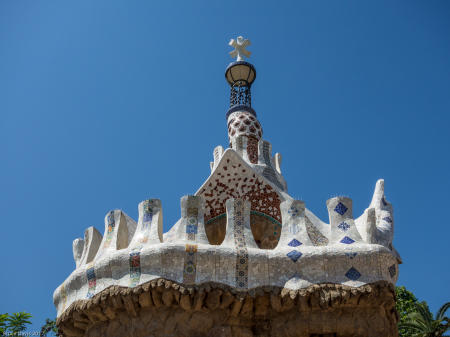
(441, 312)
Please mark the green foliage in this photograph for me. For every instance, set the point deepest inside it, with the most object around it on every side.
(416, 319)
(13, 324)
(50, 326)
(405, 304)
(3, 318)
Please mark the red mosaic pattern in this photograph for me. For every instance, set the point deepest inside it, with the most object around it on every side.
(232, 180)
(252, 149)
(244, 123)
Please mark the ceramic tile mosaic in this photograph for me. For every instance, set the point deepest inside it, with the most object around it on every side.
(387, 219)
(135, 268)
(190, 264)
(340, 208)
(92, 281)
(294, 243)
(317, 238)
(110, 230)
(240, 191)
(192, 223)
(241, 272)
(294, 255)
(252, 149)
(353, 274)
(347, 240)
(344, 226)
(147, 220)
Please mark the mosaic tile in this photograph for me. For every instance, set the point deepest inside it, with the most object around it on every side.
(92, 282)
(347, 240)
(110, 230)
(191, 229)
(340, 208)
(392, 270)
(351, 255)
(353, 274)
(294, 255)
(191, 223)
(241, 271)
(252, 149)
(293, 211)
(387, 219)
(294, 243)
(135, 268)
(190, 264)
(314, 234)
(343, 226)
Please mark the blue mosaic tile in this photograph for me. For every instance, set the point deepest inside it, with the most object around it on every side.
(191, 229)
(148, 216)
(392, 270)
(353, 274)
(387, 219)
(293, 211)
(347, 240)
(294, 255)
(351, 255)
(90, 274)
(343, 226)
(294, 243)
(340, 208)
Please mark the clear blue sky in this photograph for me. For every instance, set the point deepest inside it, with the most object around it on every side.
(107, 103)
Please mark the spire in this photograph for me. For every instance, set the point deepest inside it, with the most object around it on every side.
(241, 118)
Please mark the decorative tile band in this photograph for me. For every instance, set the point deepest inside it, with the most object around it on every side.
(241, 272)
(110, 231)
(192, 223)
(147, 219)
(252, 149)
(190, 264)
(135, 268)
(92, 281)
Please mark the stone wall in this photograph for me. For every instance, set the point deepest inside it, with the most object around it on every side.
(165, 308)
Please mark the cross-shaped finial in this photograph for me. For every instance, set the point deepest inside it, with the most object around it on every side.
(239, 48)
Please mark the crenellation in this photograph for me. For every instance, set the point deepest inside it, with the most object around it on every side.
(150, 223)
(343, 228)
(92, 241)
(77, 248)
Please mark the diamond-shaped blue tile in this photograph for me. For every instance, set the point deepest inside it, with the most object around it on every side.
(294, 255)
(351, 255)
(347, 240)
(343, 226)
(340, 208)
(392, 270)
(294, 243)
(353, 274)
(387, 219)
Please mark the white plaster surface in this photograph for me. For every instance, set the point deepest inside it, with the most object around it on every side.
(310, 251)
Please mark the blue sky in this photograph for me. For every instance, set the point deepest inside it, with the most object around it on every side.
(106, 103)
